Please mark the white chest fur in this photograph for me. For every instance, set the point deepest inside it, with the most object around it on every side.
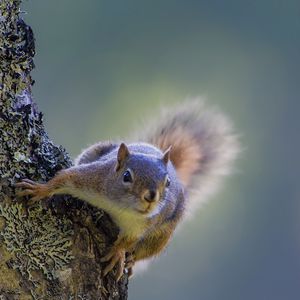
(131, 223)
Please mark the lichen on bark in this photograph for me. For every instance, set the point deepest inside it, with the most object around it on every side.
(43, 241)
(49, 251)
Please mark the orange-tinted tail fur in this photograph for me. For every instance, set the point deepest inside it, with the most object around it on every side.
(203, 143)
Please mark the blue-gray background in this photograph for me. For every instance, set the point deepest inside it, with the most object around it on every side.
(103, 65)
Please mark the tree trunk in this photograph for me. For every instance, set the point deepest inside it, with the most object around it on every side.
(48, 251)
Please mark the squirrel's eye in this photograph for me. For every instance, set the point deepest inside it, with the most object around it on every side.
(127, 178)
(168, 181)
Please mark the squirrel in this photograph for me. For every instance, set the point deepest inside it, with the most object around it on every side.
(146, 186)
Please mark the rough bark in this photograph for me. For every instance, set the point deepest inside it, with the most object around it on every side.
(48, 251)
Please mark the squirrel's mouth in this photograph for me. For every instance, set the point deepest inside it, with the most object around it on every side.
(144, 211)
(147, 208)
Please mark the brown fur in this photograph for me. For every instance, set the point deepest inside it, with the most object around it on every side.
(185, 153)
(202, 148)
(157, 239)
(203, 142)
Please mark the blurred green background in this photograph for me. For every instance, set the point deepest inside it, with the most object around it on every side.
(101, 66)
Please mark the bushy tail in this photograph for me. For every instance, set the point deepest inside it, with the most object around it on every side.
(203, 142)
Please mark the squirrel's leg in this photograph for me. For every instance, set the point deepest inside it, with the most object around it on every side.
(37, 191)
(153, 243)
(83, 181)
(64, 182)
(150, 245)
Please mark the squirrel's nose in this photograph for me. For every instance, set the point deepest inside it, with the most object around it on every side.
(150, 196)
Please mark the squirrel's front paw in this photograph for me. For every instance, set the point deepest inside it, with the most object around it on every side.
(36, 191)
(116, 257)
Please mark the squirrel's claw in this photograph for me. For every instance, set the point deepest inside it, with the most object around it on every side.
(120, 270)
(36, 191)
(129, 272)
(115, 258)
(119, 259)
(129, 263)
(107, 257)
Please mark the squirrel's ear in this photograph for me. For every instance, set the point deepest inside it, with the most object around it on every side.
(166, 155)
(123, 153)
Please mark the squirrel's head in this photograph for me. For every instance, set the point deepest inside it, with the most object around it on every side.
(140, 179)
